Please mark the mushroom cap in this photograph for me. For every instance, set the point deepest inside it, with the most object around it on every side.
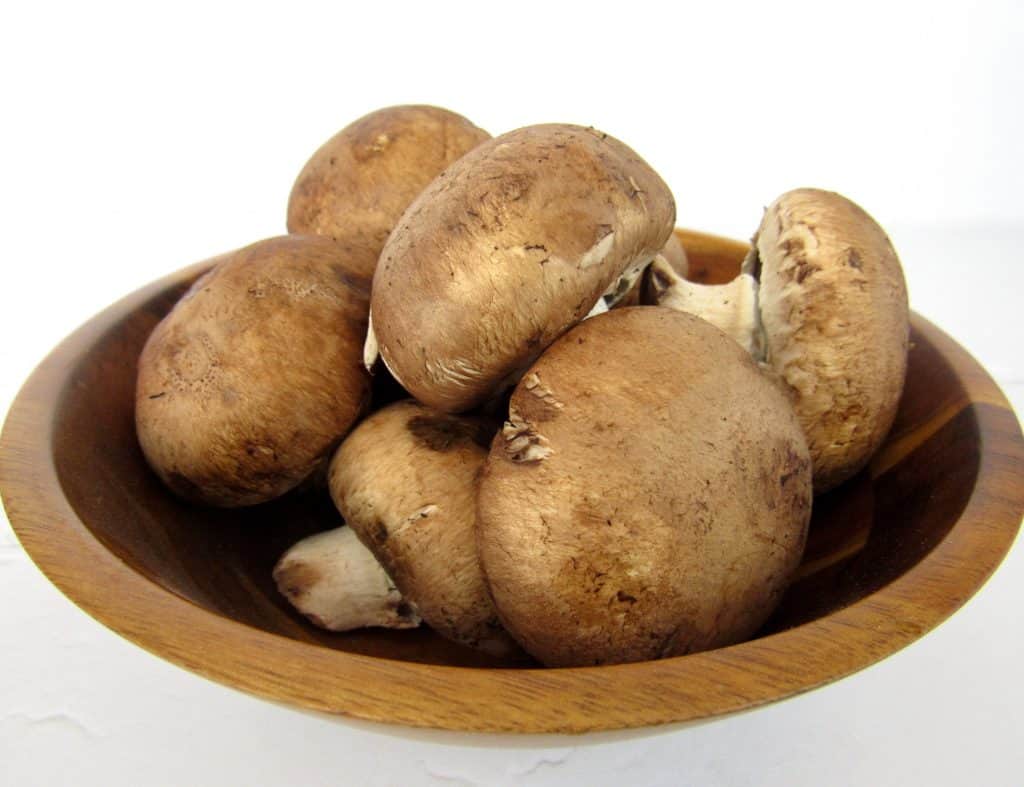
(356, 186)
(336, 582)
(506, 250)
(833, 306)
(405, 482)
(639, 505)
(675, 255)
(253, 378)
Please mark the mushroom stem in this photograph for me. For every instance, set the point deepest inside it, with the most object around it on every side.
(372, 354)
(371, 350)
(731, 307)
(622, 285)
(600, 307)
(337, 583)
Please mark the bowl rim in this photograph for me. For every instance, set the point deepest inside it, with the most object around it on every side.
(567, 700)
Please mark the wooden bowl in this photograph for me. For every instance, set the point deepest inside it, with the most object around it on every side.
(891, 553)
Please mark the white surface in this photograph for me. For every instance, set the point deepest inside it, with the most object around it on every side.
(136, 143)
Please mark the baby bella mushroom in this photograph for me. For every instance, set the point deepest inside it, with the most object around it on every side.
(642, 505)
(405, 482)
(822, 302)
(336, 582)
(506, 250)
(675, 255)
(356, 186)
(253, 378)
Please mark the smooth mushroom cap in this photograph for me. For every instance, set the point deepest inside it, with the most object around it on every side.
(249, 383)
(639, 505)
(675, 255)
(506, 250)
(336, 582)
(356, 186)
(405, 481)
(833, 306)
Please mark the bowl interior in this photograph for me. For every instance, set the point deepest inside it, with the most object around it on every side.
(863, 535)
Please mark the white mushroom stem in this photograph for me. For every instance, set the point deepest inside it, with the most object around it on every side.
(599, 308)
(371, 350)
(372, 353)
(336, 582)
(622, 285)
(731, 307)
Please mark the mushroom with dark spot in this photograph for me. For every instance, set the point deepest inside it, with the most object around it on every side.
(405, 481)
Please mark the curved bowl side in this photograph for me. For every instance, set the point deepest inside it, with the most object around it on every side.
(292, 668)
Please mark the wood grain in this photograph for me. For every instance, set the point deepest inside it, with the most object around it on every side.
(892, 553)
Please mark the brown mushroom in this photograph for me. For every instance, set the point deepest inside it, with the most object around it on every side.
(405, 481)
(639, 505)
(356, 186)
(675, 255)
(821, 301)
(336, 582)
(253, 378)
(505, 251)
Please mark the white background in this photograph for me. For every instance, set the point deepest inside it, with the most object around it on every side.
(135, 141)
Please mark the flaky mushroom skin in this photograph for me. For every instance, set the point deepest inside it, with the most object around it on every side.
(405, 481)
(833, 305)
(336, 582)
(253, 378)
(356, 186)
(506, 250)
(642, 505)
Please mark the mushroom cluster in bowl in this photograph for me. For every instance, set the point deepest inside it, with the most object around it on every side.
(541, 438)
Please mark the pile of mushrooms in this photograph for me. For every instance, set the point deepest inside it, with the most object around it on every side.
(596, 460)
